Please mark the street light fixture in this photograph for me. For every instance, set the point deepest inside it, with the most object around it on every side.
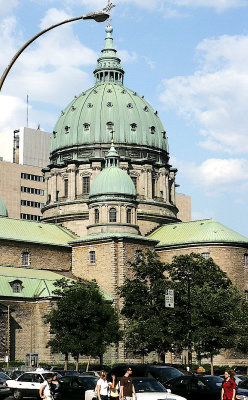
(98, 16)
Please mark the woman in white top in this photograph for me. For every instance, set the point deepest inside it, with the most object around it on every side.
(102, 387)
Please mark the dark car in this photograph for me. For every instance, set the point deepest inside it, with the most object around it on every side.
(193, 387)
(74, 387)
(4, 390)
(161, 373)
(242, 390)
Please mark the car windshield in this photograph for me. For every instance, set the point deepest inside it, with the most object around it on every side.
(166, 373)
(148, 385)
(4, 376)
(88, 382)
(212, 381)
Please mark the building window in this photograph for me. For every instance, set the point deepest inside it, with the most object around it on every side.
(30, 217)
(112, 214)
(129, 105)
(16, 286)
(110, 126)
(29, 203)
(245, 260)
(25, 258)
(66, 187)
(134, 179)
(129, 216)
(67, 129)
(31, 190)
(92, 255)
(96, 216)
(86, 184)
(86, 127)
(153, 187)
(32, 177)
(246, 295)
(152, 129)
(206, 255)
(133, 127)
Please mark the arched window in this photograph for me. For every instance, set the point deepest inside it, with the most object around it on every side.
(66, 187)
(129, 216)
(96, 216)
(25, 258)
(112, 214)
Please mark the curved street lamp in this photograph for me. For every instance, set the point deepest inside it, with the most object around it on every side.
(98, 16)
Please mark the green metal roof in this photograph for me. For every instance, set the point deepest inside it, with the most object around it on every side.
(3, 209)
(34, 232)
(109, 235)
(202, 231)
(35, 283)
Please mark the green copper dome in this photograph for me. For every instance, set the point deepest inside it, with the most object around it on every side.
(91, 117)
(3, 209)
(112, 180)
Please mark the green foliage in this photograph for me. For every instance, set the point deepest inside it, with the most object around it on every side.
(201, 288)
(83, 322)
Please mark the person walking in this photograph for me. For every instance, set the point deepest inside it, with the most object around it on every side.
(127, 387)
(228, 390)
(102, 387)
(45, 389)
(114, 389)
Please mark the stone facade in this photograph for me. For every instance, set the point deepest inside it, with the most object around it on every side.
(54, 258)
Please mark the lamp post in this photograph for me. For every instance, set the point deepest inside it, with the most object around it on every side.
(98, 16)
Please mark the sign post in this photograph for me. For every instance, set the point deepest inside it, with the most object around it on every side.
(169, 298)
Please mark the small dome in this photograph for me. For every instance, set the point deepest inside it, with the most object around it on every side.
(3, 209)
(112, 181)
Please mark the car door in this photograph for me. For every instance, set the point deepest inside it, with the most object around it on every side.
(181, 386)
(37, 382)
(24, 383)
(66, 389)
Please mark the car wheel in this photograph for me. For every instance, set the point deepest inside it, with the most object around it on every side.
(17, 394)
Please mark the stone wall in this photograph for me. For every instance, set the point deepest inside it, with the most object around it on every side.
(55, 258)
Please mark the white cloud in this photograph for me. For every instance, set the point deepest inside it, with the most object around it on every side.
(215, 176)
(7, 6)
(215, 97)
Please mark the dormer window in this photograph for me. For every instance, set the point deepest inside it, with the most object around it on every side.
(86, 127)
(133, 127)
(73, 108)
(129, 105)
(90, 105)
(110, 126)
(164, 134)
(16, 286)
(54, 134)
(146, 109)
(109, 104)
(67, 129)
(152, 129)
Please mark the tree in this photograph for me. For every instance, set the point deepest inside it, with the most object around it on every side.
(146, 327)
(204, 295)
(83, 322)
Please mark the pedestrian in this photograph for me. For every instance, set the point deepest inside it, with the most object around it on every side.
(228, 390)
(102, 387)
(55, 387)
(45, 389)
(39, 369)
(127, 387)
(114, 389)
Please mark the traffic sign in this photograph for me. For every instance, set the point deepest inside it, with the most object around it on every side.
(169, 298)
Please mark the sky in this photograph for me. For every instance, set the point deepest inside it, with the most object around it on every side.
(189, 58)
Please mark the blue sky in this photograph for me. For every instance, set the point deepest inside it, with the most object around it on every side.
(189, 58)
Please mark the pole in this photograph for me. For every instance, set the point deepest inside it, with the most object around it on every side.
(99, 16)
(189, 324)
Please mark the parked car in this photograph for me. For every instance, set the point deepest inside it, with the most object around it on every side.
(242, 390)
(151, 389)
(159, 372)
(75, 387)
(4, 390)
(28, 384)
(195, 387)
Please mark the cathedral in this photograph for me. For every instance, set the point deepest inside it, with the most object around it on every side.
(109, 196)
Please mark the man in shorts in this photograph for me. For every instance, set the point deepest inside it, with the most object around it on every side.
(127, 388)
